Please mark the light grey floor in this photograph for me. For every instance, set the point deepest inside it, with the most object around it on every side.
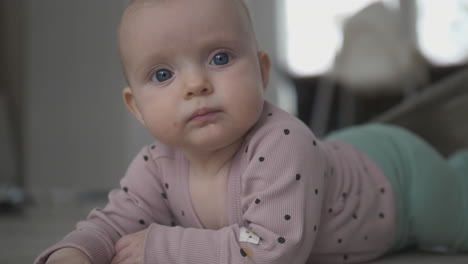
(22, 237)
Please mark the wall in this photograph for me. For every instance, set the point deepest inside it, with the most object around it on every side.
(264, 19)
(266, 16)
(10, 80)
(74, 121)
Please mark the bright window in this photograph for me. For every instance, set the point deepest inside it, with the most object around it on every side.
(442, 30)
(311, 33)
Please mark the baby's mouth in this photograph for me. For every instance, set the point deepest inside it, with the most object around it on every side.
(203, 114)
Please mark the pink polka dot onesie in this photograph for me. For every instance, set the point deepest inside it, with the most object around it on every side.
(291, 198)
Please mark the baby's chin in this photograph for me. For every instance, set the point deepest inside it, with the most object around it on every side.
(214, 140)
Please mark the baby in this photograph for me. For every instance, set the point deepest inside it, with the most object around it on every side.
(233, 179)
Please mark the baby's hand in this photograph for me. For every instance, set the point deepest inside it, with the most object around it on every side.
(68, 256)
(129, 249)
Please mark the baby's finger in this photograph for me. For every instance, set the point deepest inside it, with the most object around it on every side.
(122, 243)
(121, 256)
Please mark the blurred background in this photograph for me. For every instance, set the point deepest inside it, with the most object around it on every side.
(66, 138)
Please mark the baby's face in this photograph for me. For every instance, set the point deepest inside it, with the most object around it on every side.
(196, 76)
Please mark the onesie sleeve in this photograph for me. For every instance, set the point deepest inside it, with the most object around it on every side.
(281, 201)
(127, 212)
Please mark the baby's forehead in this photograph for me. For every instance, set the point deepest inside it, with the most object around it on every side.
(136, 5)
(139, 2)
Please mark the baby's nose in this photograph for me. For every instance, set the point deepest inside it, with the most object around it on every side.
(190, 94)
(197, 86)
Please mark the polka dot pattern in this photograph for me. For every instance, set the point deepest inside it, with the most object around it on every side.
(366, 170)
(301, 179)
(298, 177)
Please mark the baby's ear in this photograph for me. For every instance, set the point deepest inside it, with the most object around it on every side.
(265, 66)
(130, 103)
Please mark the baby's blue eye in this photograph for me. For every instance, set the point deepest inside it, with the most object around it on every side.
(220, 59)
(162, 75)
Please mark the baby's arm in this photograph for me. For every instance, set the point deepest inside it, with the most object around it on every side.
(126, 213)
(69, 256)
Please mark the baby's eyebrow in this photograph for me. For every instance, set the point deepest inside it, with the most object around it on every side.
(145, 65)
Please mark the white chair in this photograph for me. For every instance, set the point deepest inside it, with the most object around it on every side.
(377, 59)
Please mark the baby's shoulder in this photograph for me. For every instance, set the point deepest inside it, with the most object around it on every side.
(278, 130)
(276, 122)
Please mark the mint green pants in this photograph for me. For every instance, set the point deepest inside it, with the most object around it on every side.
(431, 192)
